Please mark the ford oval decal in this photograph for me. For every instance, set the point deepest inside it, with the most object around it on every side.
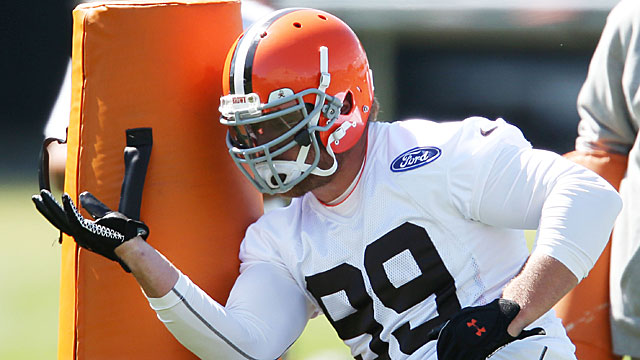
(415, 158)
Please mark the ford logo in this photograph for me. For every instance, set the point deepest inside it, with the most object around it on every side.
(415, 158)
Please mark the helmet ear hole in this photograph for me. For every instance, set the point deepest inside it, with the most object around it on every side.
(347, 104)
(309, 107)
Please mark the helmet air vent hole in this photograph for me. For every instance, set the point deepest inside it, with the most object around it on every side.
(297, 24)
(322, 17)
(347, 104)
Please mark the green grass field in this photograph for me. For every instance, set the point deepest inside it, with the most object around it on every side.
(30, 278)
(29, 268)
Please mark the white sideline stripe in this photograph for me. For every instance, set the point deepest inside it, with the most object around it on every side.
(209, 326)
(544, 352)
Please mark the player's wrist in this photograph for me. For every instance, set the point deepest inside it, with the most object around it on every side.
(519, 322)
(522, 320)
(131, 250)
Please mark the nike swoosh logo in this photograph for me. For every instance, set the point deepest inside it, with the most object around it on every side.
(487, 132)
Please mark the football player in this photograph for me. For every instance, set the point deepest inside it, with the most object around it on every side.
(609, 109)
(407, 235)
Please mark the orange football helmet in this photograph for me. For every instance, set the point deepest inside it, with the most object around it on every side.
(298, 77)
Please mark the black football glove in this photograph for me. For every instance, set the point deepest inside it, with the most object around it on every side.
(109, 230)
(477, 332)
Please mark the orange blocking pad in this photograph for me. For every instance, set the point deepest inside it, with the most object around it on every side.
(585, 310)
(151, 64)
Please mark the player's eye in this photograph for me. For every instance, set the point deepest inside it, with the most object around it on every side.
(242, 137)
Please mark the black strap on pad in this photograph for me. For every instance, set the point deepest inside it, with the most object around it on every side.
(43, 167)
(136, 160)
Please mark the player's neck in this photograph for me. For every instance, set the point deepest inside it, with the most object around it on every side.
(348, 169)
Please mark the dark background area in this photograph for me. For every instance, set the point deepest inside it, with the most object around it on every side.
(528, 76)
(534, 89)
(36, 45)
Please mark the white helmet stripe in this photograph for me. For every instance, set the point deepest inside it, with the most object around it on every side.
(246, 46)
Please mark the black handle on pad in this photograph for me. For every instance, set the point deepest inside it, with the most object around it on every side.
(43, 167)
(136, 160)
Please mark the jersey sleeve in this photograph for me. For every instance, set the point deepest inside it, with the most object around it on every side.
(264, 315)
(475, 148)
(515, 186)
(573, 208)
(269, 239)
(607, 102)
(496, 178)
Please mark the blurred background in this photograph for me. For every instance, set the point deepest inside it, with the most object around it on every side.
(520, 60)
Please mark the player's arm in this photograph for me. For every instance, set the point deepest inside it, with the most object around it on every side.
(514, 186)
(56, 128)
(155, 274)
(573, 209)
(606, 103)
(543, 281)
(265, 313)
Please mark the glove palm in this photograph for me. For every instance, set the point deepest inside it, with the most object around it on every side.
(103, 235)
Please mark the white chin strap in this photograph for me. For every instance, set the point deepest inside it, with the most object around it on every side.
(293, 169)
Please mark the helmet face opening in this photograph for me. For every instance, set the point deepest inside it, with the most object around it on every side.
(258, 135)
(292, 88)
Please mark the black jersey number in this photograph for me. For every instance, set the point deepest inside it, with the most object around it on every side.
(434, 279)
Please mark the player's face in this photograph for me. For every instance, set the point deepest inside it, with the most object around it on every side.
(266, 131)
(313, 182)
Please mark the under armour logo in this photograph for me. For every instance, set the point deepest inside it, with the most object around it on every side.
(280, 94)
(480, 329)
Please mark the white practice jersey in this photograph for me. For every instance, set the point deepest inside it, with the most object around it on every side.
(434, 224)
